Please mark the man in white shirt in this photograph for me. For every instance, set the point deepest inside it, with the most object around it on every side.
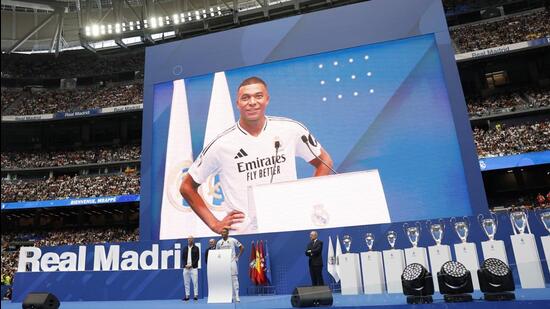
(190, 271)
(232, 244)
(256, 150)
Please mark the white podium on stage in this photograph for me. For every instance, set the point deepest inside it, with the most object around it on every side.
(350, 274)
(494, 249)
(394, 264)
(527, 261)
(439, 255)
(546, 248)
(373, 272)
(466, 253)
(417, 255)
(220, 287)
(347, 199)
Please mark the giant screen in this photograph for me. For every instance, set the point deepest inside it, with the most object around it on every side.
(383, 111)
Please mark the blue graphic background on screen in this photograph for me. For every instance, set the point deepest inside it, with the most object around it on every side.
(397, 119)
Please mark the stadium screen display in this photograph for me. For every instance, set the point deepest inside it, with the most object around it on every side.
(381, 108)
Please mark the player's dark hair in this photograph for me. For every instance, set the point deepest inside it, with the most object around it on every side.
(252, 80)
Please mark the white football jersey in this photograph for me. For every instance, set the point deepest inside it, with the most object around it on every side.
(242, 160)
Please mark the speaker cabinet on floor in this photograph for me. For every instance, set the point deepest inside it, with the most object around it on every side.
(311, 296)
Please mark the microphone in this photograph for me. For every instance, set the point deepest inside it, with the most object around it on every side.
(277, 145)
(305, 140)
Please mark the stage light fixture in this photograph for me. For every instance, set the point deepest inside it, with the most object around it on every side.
(455, 282)
(88, 31)
(495, 280)
(102, 29)
(153, 22)
(418, 284)
(95, 30)
(176, 19)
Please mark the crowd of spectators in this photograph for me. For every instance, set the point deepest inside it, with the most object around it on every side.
(115, 96)
(9, 96)
(533, 98)
(64, 187)
(10, 251)
(35, 159)
(506, 31)
(48, 101)
(71, 64)
(508, 140)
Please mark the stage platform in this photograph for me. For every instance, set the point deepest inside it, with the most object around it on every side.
(530, 298)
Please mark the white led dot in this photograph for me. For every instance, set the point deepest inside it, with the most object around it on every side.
(350, 60)
(321, 66)
(366, 57)
(335, 63)
(322, 82)
(371, 91)
(369, 73)
(324, 99)
(355, 93)
(337, 79)
(340, 96)
(353, 77)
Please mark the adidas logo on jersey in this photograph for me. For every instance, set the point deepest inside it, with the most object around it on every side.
(241, 154)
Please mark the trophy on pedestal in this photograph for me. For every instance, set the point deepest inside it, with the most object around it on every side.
(392, 238)
(347, 242)
(439, 254)
(492, 248)
(415, 254)
(413, 233)
(436, 230)
(488, 225)
(394, 263)
(369, 239)
(544, 217)
(525, 251)
(520, 223)
(462, 228)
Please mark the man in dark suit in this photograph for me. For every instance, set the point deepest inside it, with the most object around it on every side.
(190, 257)
(211, 246)
(314, 252)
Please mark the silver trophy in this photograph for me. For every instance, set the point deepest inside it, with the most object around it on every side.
(544, 217)
(392, 238)
(436, 230)
(347, 242)
(519, 221)
(461, 228)
(369, 239)
(488, 225)
(413, 233)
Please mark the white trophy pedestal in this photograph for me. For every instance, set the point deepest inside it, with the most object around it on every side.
(546, 247)
(220, 286)
(494, 249)
(466, 253)
(417, 255)
(394, 264)
(439, 255)
(373, 272)
(527, 261)
(350, 274)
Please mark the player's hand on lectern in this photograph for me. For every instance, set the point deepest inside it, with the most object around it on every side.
(233, 217)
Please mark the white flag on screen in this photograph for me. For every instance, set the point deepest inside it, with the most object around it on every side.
(331, 261)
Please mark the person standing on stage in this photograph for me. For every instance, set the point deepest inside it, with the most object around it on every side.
(314, 252)
(190, 271)
(258, 149)
(211, 246)
(231, 243)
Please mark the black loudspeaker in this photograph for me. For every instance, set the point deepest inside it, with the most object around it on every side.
(311, 296)
(41, 301)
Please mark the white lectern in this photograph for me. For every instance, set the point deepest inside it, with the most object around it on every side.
(466, 253)
(347, 199)
(394, 264)
(417, 255)
(546, 247)
(494, 249)
(439, 255)
(527, 261)
(220, 287)
(350, 274)
(373, 272)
